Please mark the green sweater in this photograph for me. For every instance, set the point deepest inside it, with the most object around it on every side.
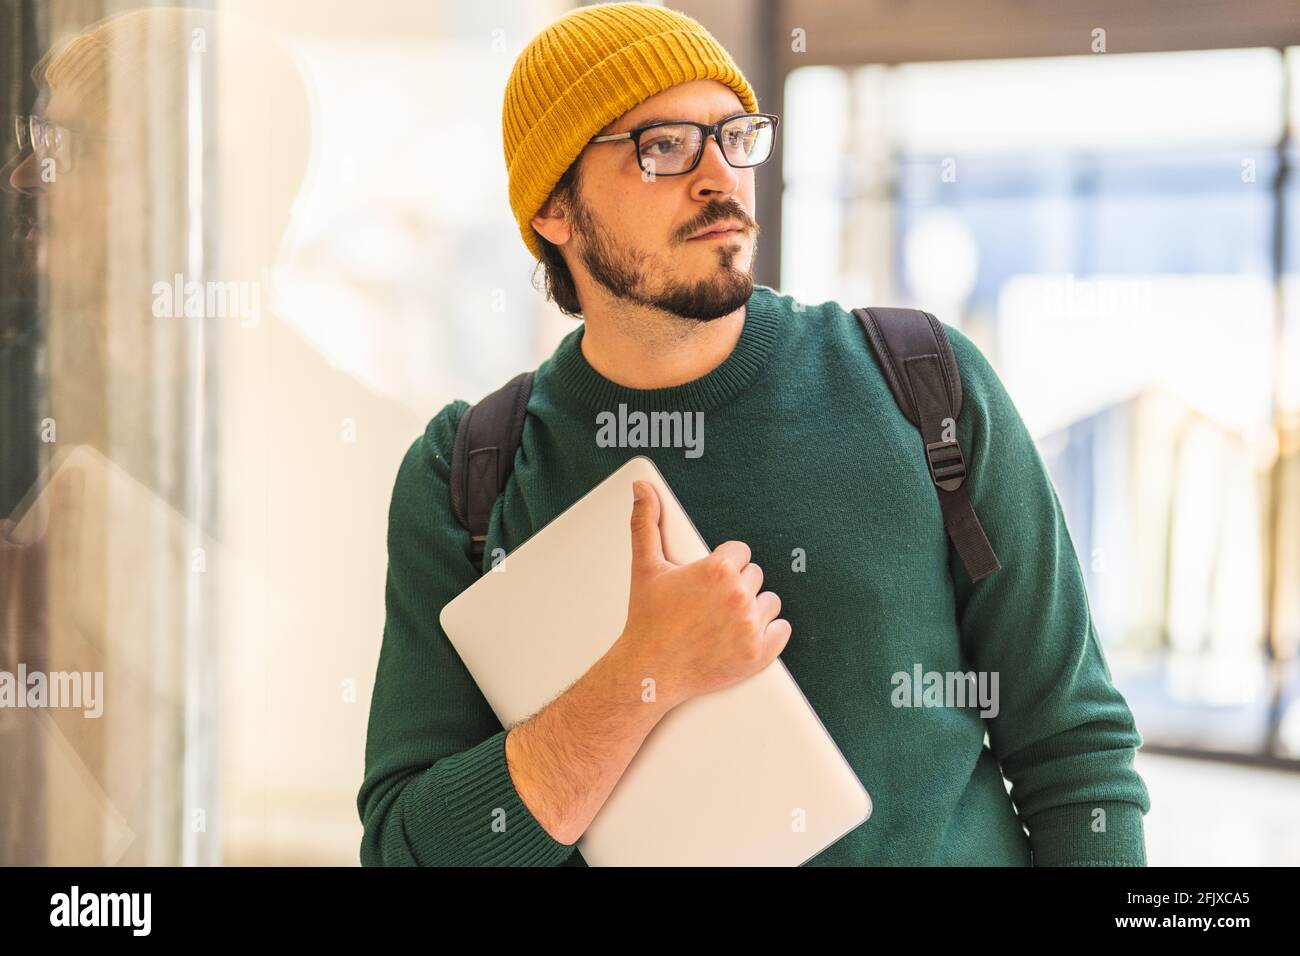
(808, 460)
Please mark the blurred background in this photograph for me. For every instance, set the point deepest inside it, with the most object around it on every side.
(249, 249)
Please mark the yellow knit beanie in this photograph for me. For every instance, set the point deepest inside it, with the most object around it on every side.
(584, 71)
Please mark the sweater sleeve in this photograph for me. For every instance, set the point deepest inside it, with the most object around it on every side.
(436, 790)
(1063, 733)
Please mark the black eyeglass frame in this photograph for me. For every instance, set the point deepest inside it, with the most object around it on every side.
(707, 131)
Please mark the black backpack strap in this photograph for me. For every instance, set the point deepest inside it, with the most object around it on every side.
(487, 438)
(921, 370)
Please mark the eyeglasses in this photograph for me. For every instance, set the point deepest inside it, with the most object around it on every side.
(47, 140)
(674, 148)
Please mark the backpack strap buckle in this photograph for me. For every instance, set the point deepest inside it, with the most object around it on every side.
(947, 465)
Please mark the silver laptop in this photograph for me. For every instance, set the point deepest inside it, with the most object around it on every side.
(743, 776)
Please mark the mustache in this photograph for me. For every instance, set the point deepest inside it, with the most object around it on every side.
(720, 213)
(24, 212)
(21, 227)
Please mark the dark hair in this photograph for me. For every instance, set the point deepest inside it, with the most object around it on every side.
(559, 280)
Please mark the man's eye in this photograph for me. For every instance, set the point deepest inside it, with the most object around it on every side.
(665, 145)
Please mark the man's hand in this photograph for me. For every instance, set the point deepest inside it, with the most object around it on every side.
(697, 627)
(48, 546)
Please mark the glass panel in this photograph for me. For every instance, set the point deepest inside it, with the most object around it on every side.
(1105, 228)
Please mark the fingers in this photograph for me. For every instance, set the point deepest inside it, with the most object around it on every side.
(752, 578)
(69, 492)
(776, 636)
(647, 544)
(734, 553)
(66, 520)
(768, 606)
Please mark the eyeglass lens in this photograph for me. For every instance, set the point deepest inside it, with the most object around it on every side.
(42, 138)
(23, 131)
(747, 141)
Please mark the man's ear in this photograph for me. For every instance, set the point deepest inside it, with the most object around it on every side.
(551, 222)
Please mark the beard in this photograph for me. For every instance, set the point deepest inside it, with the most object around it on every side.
(626, 272)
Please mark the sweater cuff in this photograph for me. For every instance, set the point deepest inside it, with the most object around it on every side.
(1077, 835)
(476, 799)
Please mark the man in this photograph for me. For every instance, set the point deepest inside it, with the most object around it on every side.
(809, 476)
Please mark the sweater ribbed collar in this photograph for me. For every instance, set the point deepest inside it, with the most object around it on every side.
(757, 336)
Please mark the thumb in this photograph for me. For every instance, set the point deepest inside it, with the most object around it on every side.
(647, 546)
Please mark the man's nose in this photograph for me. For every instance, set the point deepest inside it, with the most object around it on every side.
(24, 175)
(714, 174)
